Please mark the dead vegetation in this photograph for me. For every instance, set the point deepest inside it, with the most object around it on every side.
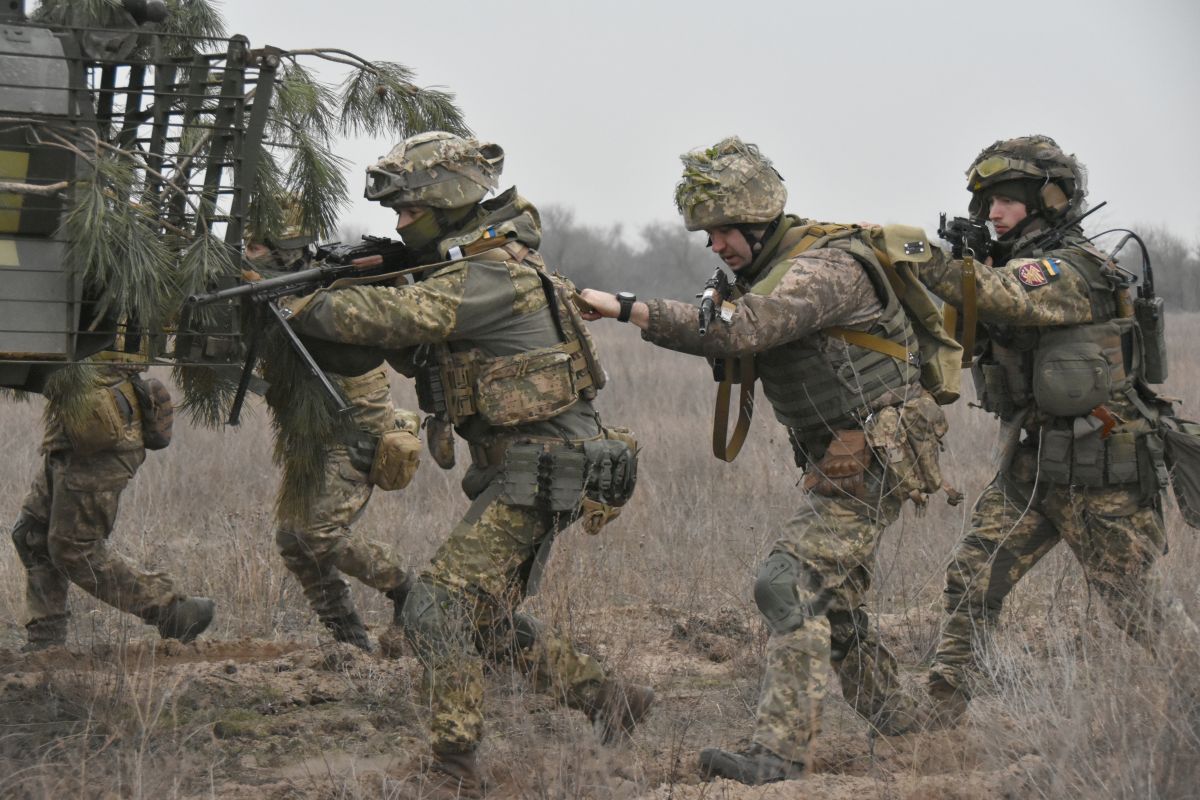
(264, 707)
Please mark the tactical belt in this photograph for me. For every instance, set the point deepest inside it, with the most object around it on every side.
(491, 453)
(460, 370)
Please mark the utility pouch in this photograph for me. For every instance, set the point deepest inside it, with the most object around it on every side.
(102, 426)
(992, 386)
(1182, 455)
(528, 387)
(439, 438)
(1149, 315)
(548, 477)
(1070, 377)
(1121, 455)
(842, 470)
(1054, 463)
(397, 457)
(1088, 461)
(158, 412)
(612, 471)
(577, 330)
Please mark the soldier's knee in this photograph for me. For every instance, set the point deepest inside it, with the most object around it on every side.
(784, 593)
(29, 537)
(431, 618)
(848, 630)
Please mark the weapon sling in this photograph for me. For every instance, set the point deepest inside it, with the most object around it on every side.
(728, 450)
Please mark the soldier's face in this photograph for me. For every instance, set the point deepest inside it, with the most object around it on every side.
(408, 215)
(730, 246)
(1005, 213)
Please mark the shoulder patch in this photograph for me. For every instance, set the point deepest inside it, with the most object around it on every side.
(1039, 273)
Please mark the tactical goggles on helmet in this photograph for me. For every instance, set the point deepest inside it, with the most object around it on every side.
(382, 183)
(992, 166)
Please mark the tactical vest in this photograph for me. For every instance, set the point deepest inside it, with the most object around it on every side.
(517, 389)
(1061, 381)
(808, 392)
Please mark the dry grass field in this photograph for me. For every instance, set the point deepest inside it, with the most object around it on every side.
(265, 707)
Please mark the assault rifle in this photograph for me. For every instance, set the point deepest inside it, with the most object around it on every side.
(376, 256)
(965, 234)
(716, 293)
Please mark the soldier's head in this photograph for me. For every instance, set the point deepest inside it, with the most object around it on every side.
(283, 245)
(1016, 182)
(434, 180)
(731, 192)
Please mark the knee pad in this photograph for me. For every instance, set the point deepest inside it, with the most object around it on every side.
(432, 620)
(29, 537)
(784, 593)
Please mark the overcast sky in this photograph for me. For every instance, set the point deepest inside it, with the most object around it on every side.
(871, 110)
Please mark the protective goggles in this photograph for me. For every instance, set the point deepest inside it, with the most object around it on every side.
(382, 184)
(992, 166)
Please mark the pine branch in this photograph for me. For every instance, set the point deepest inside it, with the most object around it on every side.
(49, 190)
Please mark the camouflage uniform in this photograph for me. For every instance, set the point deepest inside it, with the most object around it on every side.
(801, 287)
(470, 317)
(62, 532)
(1063, 476)
(315, 537)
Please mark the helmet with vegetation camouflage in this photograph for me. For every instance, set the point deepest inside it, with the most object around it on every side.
(730, 183)
(286, 232)
(435, 169)
(1032, 169)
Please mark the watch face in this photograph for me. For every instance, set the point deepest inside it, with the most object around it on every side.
(627, 297)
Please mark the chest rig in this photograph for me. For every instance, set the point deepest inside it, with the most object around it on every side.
(455, 385)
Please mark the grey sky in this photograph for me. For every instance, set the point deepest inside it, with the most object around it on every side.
(870, 110)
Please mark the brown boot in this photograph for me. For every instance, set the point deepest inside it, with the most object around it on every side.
(618, 708)
(454, 774)
(948, 703)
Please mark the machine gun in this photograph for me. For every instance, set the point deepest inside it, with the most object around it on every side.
(377, 257)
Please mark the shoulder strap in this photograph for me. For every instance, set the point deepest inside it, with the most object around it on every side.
(870, 341)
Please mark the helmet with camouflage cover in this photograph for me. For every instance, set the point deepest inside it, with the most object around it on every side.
(1031, 169)
(730, 183)
(288, 233)
(435, 169)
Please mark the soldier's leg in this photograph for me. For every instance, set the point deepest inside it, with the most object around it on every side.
(84, 501)
(45, 584)
(1008, 536)
(1118, 541)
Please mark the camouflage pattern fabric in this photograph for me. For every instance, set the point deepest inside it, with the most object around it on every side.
(485, 563)
(730, 183)
(835, 539)
(435, 169)
(317, 542)
(62, 534)
(1115, 537)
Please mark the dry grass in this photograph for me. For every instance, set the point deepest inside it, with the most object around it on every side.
(1070, 708)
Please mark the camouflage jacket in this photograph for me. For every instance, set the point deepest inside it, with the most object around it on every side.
(822, 288)
(494, 303)
(101, 383)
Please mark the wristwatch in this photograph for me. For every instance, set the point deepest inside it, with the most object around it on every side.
(626, 299)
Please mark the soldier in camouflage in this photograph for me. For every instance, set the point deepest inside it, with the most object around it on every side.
(1059, 362)
(315, 536)
(499, 354)
(862, 427)
(94, 443)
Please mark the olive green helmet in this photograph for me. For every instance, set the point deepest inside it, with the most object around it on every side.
(1032, 169)
(731, 183)
(435, 169)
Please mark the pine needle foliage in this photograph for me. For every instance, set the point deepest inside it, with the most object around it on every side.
(380, 99)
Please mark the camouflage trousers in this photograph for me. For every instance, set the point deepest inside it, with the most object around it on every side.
(834, 539)
(62, 538)
(1115, 536)
(474, 585)
(317, 543)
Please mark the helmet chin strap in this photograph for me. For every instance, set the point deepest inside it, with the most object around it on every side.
(755, 240)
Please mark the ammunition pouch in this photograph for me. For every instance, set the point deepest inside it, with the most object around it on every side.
(1078, 455)
(1181, 440)
(556, 477)
(158, 412)
(1076, 369)
(907, 439)
(110, 413)
(577, 335)
(397, 456)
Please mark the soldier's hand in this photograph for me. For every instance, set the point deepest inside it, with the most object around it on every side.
(599, 305)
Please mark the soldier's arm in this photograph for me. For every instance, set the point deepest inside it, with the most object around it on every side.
(390, 317)
(820, 289)
(1023, 292)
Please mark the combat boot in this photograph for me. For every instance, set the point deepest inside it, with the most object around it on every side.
(618, 708)
(349, 628)
(752, 766)
(454, 774)
(948, 703)
(398, 595)
(183, 619)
